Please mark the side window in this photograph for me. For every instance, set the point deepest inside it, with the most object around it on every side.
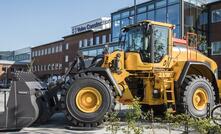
(160, 40)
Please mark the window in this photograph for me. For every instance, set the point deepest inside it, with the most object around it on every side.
(216, 48)
(116, 16)
(42, 52)
(203, 18)
(49, 66)
(161, 3)
(174, 14)
(124, 22)
(52, 51)
(109, 37)
(36, 53)
(141, 17)
(46, 51)
(91, 41)
(52, 66)
(161, 15)
(151, 7)
(49, 50)
(125, 14)
(66, 58)
(160, 39)
(45, 67)
(85, 42)
(151, 15)
(97, 40)
(85, 52)
(103, 39)
(99, 51)
(60, 66)
(60, 48)
(116, 29)
(92, 52)
(216, 15)
(172, 1)
(67, 46)
(141, 9)
(80, 44)
(33, 54)
(56, 66)
(56, 50)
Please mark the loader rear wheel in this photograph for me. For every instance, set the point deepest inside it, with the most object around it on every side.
(87, 101)
(197, 93)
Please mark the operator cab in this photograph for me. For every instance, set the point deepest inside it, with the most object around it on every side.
(149, 39)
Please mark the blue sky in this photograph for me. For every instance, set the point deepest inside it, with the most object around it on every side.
(26, 23)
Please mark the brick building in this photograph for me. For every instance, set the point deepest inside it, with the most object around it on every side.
(53, 59)
(48, 59)
(214, 32)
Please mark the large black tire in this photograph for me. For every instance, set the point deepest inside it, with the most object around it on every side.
(196, 85)
(74, 114)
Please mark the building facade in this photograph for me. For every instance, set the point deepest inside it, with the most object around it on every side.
(214, 32)
(184, 14)
(47, 59)
(20, 55)
(53, 59)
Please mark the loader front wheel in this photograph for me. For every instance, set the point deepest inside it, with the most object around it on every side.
(87, 101)
(197, 93)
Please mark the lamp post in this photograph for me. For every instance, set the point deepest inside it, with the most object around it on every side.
(135, 11)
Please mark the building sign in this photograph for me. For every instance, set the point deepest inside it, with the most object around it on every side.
(98, 24)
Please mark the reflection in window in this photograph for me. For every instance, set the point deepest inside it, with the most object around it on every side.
(116, 16)
(172, 1)
(125, 14)
(92, 53)
(177, 32)
(124, 22)
(160, 39)
(216, 48)
(216, 15)
(141, 17)
(116, 28)
(161, 15)
(151, 7)
(160, 3)
(141, 9)
(151, 15)
(174, 14)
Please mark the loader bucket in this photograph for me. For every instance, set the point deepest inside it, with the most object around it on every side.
(20, 108)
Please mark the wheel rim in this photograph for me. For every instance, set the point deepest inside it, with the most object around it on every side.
(200, 99)
(88, 100)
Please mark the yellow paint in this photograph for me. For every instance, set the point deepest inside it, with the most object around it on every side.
(159, 76)
(200, 99)
(88, 100)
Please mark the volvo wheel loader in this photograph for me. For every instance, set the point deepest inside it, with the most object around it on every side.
(165, 73)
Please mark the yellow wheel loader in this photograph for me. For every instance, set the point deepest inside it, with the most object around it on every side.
(165, 73)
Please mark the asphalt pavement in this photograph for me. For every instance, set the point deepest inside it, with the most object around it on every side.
(58, 125)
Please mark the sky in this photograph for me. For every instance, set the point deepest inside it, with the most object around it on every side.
(25, 23)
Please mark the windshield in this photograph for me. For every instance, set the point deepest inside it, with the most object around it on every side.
(134, 39)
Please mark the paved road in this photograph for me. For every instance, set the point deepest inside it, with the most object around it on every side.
(58, 125)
